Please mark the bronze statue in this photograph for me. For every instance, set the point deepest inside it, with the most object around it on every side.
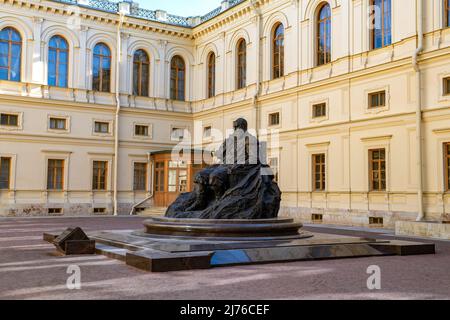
(242, 186)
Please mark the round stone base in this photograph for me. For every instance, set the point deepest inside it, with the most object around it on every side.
(231, 230)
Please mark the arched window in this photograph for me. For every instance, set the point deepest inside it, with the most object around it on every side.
(211, 75)
(177, 78)
(447, 13)
(241, 64)
(141, 73)
(102, 68)
(278, 51)
(10, 54)
(58, 56)
(324, 35)
(381, 29)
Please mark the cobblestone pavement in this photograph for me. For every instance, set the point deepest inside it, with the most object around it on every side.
(29, 269)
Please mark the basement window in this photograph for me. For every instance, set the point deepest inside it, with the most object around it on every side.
(99, 210)
(375, 221)
(317, 218)
(55, 210)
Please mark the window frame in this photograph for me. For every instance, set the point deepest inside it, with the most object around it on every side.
(96, 183)
(379, 171)
(100, 69)
(241, 64)
(9, 175)
(142, 184)
(382, 22)
(55, 119)
(141, 81)
(58, 52)
(323, 106)
(379, 94)
(278, 51)
(9, 115)
(53, 185)
(274, 115)
(446, 154)
(211, 75)
(176, 69)
(446, 85)
(10, 42)
(327, 35)
(323, 173)
(446, 13)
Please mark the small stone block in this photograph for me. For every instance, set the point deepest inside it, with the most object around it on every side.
(76, 247)
(153, 261)
(405, 248)
(49, 237)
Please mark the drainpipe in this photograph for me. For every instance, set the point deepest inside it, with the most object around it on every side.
(117, 83)
(258, 14)
(421, 213)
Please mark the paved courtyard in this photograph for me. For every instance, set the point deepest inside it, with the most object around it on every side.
(30, 269)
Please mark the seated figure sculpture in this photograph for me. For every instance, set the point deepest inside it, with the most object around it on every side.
(241, 186)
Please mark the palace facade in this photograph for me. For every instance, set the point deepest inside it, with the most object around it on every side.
(355, 93)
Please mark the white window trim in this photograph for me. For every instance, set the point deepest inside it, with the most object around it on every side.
(185, 128)
(56, 155)
(109, 161)
(150, 130)
(59, 116)
(387, 107)
(313, 119)
(271, 112)
(318, 148)
(19, 126)
(147, 183)
(382, 142)
(210, 137)
(442, 96)
(100, 134)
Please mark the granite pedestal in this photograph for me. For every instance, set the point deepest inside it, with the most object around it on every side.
(173, 244)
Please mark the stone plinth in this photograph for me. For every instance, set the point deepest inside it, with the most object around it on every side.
(437, 230)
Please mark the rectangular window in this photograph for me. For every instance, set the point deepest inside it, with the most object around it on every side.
(319, 110)
(58, 124)
(381, 29)
(318, 172)
(140, 130)
(274, 165)
(447, 85)
(447, 13)
(99, 173)
(447, 165)
(10, 120)
(101, 127)
(177, 134)
(377, 99)
(140, 176)
(5, 173)
(377, 169)
(207, 132)
(274, 119)
(55, 174)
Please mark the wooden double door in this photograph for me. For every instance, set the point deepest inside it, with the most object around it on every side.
(172, 177)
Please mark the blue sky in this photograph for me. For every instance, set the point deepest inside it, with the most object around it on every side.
(183, 8)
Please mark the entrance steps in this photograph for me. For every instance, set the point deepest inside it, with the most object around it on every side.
(152, 211)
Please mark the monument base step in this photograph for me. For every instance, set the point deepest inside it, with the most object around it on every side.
(164, 253)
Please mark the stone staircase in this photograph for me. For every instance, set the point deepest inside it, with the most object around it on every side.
(152, 211)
